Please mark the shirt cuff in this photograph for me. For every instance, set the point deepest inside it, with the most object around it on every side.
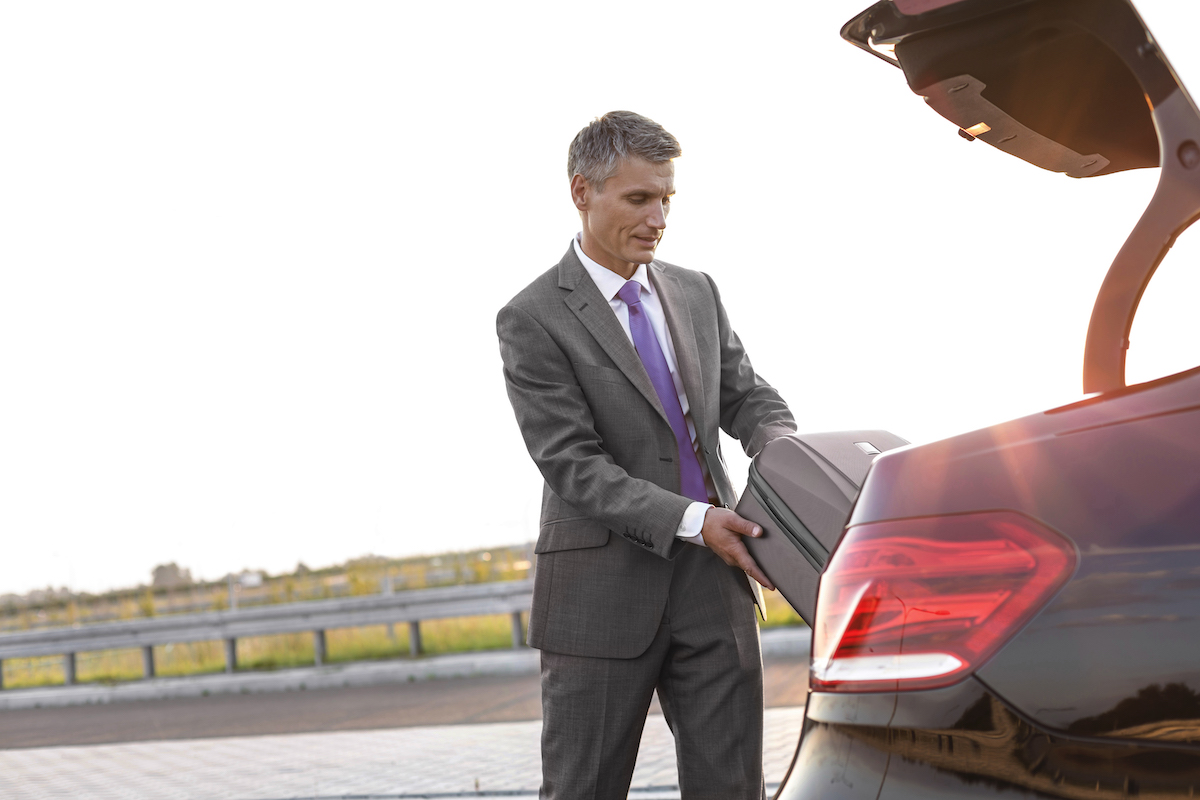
(692, 523)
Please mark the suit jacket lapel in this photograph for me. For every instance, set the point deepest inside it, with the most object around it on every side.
(683, 337)
(593, 310)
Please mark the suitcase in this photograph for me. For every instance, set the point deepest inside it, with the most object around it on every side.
(800, 490)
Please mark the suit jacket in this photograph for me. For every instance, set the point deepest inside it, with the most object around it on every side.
(597, 431)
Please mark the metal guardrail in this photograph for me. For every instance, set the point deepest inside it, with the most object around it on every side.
(411, 606)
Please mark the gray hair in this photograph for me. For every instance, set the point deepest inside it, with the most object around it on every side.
(597, 150)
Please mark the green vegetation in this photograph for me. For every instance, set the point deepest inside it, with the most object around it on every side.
(361, 576)
(463, 634)
(779, 613)
(268, 652)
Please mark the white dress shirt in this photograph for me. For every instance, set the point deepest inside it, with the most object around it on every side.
(609, 283)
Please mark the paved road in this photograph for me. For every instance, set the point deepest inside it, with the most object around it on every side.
(461, 737)
(457, 701)
(497, 759)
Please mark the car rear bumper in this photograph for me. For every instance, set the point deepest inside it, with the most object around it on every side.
(964, 741)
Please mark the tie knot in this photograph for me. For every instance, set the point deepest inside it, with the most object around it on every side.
(631, 292)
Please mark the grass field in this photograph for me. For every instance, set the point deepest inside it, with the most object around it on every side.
(462, 634)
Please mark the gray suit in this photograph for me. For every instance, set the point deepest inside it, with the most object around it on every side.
(614, 586)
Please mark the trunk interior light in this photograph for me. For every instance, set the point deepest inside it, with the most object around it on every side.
(922, 603)
(978, 129)
(885, 49)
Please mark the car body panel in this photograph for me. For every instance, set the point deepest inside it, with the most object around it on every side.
(1097, 694)
(1123, 631)
(1076, 469)
(1120, 479)
(964, 741)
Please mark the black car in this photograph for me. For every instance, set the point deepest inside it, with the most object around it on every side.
(1015, 612)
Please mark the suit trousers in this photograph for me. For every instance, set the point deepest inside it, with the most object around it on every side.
(705, 662)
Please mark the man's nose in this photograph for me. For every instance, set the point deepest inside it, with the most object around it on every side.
(658, 216)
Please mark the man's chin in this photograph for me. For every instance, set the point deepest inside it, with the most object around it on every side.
(642, 255)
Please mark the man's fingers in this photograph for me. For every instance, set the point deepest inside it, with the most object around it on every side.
(744, 526)
(738, 524)
(760, 576)
(750, 567)
(746, 563)
(723, 532)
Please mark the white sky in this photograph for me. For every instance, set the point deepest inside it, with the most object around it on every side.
(251, 256)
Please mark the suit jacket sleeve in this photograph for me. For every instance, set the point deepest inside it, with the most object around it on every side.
(557, 425)
(751, 410)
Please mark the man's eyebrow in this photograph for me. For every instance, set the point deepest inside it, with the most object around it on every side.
(647, 193)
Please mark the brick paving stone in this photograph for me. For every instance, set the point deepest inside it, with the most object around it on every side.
(436, 760)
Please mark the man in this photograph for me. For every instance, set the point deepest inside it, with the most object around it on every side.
(620, 370)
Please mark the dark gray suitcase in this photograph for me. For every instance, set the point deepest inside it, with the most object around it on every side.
(800, 491)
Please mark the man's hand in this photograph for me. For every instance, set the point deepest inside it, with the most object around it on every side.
(723, 531)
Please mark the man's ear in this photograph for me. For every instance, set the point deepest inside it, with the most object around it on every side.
(579, 191)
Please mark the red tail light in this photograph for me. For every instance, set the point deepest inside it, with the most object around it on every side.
(922, 603)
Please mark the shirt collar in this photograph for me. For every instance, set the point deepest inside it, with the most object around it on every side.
(607, 281)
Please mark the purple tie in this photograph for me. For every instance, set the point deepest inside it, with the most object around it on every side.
(691, 479)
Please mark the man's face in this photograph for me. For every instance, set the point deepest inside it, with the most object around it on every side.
(622, 224)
